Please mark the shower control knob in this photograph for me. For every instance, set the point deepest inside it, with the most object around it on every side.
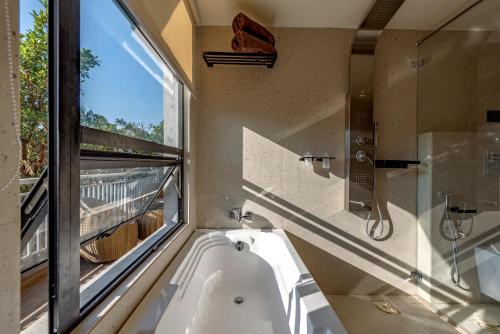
(361, 140)
(361, 156)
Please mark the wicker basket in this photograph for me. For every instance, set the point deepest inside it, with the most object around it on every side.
(94, 216)
(149, 222)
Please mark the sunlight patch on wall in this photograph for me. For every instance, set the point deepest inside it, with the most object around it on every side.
(178, 33)
(262, 163)
(311, 119)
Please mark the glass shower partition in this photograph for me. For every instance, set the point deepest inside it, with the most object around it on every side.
(459, 178)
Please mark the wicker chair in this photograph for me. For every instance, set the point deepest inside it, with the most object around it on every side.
(96, 214)
(149, 222)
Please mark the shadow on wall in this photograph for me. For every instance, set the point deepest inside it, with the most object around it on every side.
(346, 241)
(253, 126)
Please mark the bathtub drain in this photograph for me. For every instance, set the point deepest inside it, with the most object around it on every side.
(238, 300)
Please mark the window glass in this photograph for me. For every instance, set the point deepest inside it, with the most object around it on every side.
(110, 196)
(35, 251)
(126, 87)
(102, 260)
(33, 56)
(33, 76)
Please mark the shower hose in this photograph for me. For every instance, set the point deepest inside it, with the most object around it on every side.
(454, 269)
(457, 233)
(381, 230)
(379, 235)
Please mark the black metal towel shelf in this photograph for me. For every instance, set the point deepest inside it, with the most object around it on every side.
(238, 58)
(395, 163)
(458, 210)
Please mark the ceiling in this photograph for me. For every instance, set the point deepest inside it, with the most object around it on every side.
(413, 14)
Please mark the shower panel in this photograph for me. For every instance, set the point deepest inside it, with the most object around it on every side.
(360, 136)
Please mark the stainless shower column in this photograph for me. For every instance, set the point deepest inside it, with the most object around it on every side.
(360, 136)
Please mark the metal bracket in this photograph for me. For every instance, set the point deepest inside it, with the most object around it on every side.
(416, 64)
(416, 275)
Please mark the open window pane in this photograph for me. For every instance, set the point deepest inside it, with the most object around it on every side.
(111, 196)
(106, 258)
(126, 87)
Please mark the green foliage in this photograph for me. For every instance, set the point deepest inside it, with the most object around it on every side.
(34, 58)
(151, 132)
(87, 62)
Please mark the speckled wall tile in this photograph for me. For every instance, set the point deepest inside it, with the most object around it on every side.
(9, 180)
(254, 124)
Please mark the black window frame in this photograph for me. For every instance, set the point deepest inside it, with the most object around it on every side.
(66, 159)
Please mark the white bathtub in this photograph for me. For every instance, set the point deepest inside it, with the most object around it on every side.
(196, 294)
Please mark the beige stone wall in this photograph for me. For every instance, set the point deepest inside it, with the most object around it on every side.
(255, 123)
(9, 176)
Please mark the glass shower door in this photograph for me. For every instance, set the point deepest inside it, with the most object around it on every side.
(459, 179)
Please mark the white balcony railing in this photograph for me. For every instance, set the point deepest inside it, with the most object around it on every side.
(128, 191)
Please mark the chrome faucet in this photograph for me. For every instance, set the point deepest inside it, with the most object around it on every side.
(240, 245)
(363, 204)
(237, 213)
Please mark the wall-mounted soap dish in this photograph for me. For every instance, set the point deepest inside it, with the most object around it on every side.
(325, 160)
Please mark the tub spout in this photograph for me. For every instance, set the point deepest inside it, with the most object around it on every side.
(239, 245)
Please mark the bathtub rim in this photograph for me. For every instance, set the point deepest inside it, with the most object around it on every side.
(144, 312)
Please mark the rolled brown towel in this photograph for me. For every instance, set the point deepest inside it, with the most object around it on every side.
(242, 22)
(244, 42)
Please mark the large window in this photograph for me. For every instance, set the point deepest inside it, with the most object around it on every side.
(111, 192)
(131, 146)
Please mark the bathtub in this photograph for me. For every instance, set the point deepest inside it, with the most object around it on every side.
(488, 270)
(211, 287)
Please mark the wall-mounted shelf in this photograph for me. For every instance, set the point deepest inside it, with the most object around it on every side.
(458, 210)
(395, 163)
(238, 58)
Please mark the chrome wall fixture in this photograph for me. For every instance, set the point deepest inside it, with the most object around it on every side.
(359, 141)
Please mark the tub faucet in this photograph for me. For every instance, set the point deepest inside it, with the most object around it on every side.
(237, 213)
(239, 245)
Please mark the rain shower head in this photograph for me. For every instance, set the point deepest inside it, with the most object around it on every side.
(369, 31)
(380, 14)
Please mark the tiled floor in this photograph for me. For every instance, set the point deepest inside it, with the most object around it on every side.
(475, 318)
(360, 316)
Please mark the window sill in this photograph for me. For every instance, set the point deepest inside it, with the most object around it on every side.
(109, 315)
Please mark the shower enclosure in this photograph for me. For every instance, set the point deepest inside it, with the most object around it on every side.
(459, 178)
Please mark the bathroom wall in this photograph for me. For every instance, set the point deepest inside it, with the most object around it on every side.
(255, 123)
(458, 83)
(9, 176)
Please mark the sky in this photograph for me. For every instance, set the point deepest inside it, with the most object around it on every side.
(129, 82)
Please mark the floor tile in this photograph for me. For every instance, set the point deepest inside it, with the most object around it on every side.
(359, 315)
